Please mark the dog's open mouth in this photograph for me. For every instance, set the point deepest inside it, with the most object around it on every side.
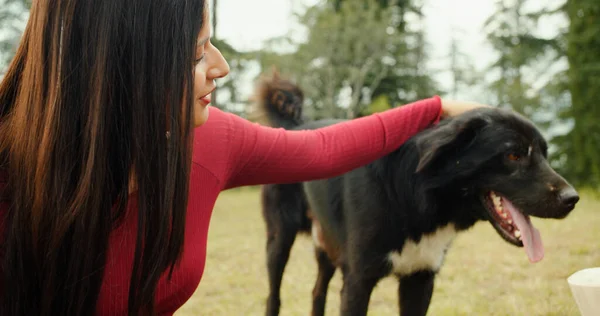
(514, 226)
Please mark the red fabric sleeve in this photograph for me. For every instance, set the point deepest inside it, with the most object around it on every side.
(257, 154)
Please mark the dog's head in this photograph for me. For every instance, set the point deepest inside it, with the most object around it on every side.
(498, 160)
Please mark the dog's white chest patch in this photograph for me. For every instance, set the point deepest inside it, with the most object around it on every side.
(427, 254)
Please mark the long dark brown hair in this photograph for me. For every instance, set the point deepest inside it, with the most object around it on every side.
(85, 104)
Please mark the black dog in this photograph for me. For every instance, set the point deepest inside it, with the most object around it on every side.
(398, 215)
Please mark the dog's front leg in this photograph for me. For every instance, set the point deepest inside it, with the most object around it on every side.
(356, 293)
(415, 292)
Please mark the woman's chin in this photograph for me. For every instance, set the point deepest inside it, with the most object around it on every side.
(200, 115)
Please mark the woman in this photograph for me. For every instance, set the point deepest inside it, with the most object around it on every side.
(100, 155)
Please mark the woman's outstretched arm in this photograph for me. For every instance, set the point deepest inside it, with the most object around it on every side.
(253, 154)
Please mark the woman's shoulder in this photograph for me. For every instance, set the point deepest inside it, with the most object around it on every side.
(212, 141)
(214, 131)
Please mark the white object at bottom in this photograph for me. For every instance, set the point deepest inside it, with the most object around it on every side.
(585, 287)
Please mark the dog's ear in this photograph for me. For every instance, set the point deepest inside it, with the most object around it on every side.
(449, 136)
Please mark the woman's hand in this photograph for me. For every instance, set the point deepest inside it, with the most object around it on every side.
(453, 108)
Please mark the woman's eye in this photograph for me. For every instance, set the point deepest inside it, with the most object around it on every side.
(198, 60)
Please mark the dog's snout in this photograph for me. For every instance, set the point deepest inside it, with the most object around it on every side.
(568, 197)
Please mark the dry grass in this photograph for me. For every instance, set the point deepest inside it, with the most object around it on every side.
(483, 275)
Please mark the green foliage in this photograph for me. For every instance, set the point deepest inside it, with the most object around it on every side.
(463, 72)
(379, 104)
(509, 31)
(566, 106)
(579, 151)
(356, 50)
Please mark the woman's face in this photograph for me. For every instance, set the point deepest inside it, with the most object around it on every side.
(209, 65)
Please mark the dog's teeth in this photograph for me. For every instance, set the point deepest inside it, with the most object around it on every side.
(497, 204)
(504, 215)
(497, 201)
(518, 233)
(510, 221)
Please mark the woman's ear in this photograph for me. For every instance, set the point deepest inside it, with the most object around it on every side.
(452, 135)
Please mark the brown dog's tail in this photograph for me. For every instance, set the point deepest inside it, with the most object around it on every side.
(277, 102)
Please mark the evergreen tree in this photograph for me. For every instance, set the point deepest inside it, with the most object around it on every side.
(510, 31)
(579, 150)
(356, 51)
(463, 74)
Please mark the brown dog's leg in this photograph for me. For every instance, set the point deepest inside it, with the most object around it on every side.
(415, 293)
(326, 271)
(278, 253)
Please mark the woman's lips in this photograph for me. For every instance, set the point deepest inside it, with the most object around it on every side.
(206, 99)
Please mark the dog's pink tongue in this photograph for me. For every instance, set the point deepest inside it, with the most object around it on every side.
(532, 241)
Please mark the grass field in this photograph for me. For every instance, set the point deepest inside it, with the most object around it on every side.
(483, 275)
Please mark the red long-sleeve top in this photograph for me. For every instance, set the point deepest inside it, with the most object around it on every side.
(230, 152)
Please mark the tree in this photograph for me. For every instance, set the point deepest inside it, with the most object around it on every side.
(338, 56)
(408, 79)
(511, 33)
(566, 104)
(355, 52)
(462, 71)
(579, 149)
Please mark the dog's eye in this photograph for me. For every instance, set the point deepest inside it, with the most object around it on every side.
(514, 157)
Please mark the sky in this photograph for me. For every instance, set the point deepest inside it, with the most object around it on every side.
(247, 24)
